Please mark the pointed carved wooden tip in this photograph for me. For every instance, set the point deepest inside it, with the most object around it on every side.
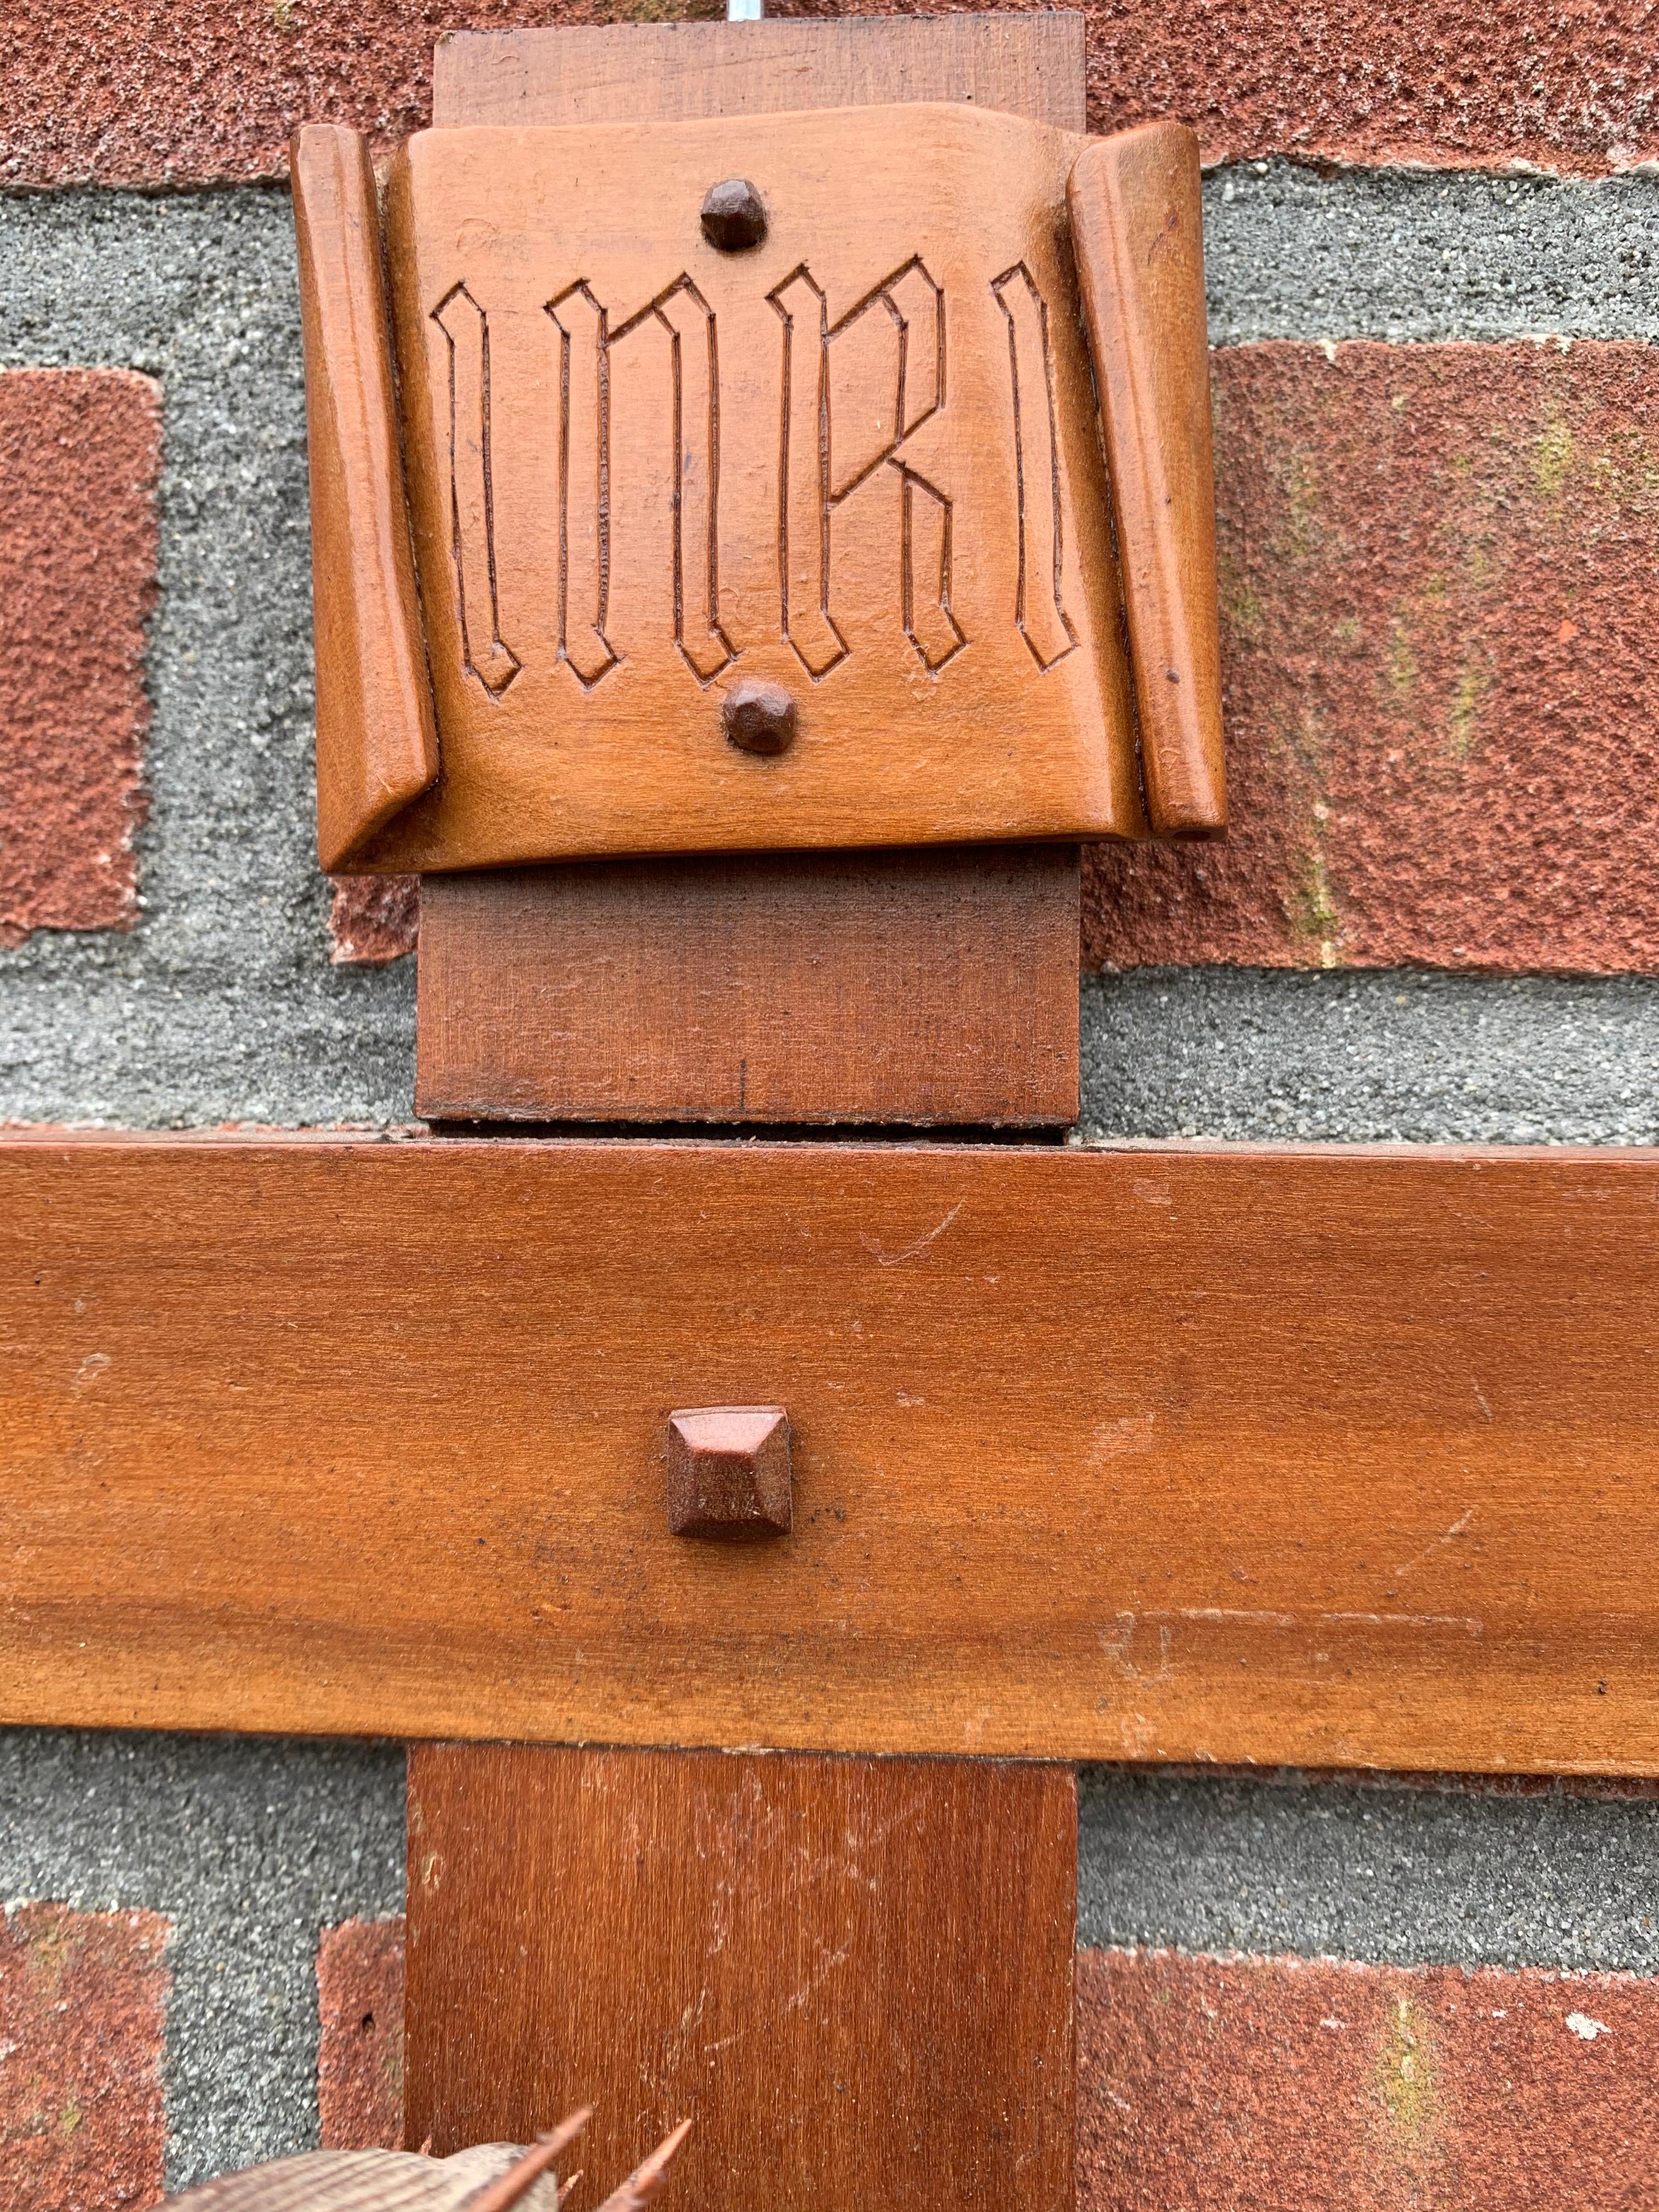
(1137, 226)
(511, 2187)
(400, 2181)
(391, 2181)
(376, 737)
(648, 2176)
(729, 1472)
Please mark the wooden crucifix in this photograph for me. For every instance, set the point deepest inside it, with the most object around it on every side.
(762, 519)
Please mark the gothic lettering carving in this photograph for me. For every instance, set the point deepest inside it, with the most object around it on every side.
(925, 465)
(584, 483)
(684, 318)
(688, 321)
(1040, 607)
(889, 349)
(854, 392)
(466, 327)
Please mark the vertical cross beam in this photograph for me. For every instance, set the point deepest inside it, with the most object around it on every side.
(937, 985)
(853, 1975)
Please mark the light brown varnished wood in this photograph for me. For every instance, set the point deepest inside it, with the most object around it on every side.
(1321, 1458)
(898, 591)
(390, 2181)
(927, 987)
(377, 744)
(1023, 63)
(644, 470)
(1137, 224)
(853, 1975)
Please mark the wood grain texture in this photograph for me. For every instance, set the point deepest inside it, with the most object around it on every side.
(377, 744)
(853, 1975)
(1138, 229)
(644, 470)
(1024, 63)
(928, 986)
(369, 2181)
(1328, 1459)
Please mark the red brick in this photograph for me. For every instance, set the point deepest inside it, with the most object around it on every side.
(1288, 2085)
(374, 919)
(1573, 89)
(360, 2057)
(83, 2000)
(197, 90)
(80, 455)
(1442, 691)
(187, 89)
(1570, 88)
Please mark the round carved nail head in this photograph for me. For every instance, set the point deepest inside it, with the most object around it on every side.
(759, 718)
(732, 216)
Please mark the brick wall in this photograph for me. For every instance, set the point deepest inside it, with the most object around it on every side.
(1238, 2082)
(1432, 238)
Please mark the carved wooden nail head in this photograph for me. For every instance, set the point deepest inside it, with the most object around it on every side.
(729, 1472)
(623, 470)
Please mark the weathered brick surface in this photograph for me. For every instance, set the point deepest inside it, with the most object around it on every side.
(80, 455)
(360, 2057)
(189, 90)
(209, 88)
(1284, 2085)
(1442, 695)
(374, 919)
(83, 2008)
(1574, 89)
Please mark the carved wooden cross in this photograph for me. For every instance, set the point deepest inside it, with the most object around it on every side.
(832, 481)
(829, 483)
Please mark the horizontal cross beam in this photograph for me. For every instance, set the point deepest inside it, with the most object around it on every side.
(1336, 1458)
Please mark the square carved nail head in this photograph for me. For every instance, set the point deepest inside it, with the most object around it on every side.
(729, 1472)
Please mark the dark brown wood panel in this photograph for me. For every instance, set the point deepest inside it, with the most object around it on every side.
(1330, 1458)
(921, 987)
(853, 1975)
(1022, 63)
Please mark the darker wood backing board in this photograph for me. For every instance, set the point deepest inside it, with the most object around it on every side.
(1022, 63)
(935, 987)
(1324, 1458)
(853, 1975)
(932, 986)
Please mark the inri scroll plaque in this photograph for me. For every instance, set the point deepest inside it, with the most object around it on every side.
(829, 468)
